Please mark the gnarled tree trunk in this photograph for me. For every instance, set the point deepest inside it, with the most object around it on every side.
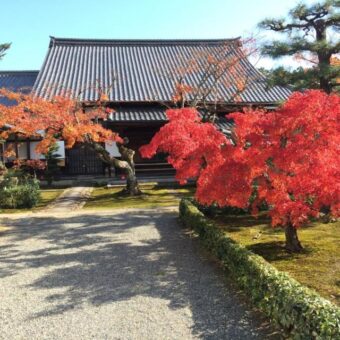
(132, 187)
(292, 241)
(126, 164)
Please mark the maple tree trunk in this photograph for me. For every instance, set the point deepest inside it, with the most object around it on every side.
(132, 187)
(126, 164)
(292, 241)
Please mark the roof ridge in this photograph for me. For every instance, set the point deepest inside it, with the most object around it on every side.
(19, 71)
(75, 41)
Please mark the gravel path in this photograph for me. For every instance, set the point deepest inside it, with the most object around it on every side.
(115, 275)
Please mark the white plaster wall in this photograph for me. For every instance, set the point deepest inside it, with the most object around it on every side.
(60, 152)
(22, 150)
(112, 149)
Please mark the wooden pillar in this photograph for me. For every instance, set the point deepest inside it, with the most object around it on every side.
(2, 150)
(16, 147)
(28, 146)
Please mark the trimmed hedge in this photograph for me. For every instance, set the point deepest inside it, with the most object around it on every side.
(301, 312)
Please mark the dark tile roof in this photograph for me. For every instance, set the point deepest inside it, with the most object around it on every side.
(19, 81)
(156, 115)
(138, 114)
(138, 69)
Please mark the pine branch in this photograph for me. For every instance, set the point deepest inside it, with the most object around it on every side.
(280, 25)
(3, 49)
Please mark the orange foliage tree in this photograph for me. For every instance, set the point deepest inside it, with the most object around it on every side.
(65, 119)
(208, 78)
(288, 158)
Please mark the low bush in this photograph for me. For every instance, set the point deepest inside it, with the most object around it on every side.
(18, 191)
(213, 210)
(301, 312)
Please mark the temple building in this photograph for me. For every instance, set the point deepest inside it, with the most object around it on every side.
(139, 78)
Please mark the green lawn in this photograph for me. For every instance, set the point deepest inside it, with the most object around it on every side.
(318, 267)
(153, 196)
(46, 197)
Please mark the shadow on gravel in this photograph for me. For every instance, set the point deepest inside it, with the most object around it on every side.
(104, 259)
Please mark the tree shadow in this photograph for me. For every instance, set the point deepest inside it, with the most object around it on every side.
(121, 197)
(239, 222)
(104, 259)
(275, 251)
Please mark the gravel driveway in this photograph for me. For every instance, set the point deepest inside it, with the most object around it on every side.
(122, 275)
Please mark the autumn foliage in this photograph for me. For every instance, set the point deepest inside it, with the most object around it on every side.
(67, 119)
(288, 158)
(61, 118)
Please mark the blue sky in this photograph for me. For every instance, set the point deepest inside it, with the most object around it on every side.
(29, 23)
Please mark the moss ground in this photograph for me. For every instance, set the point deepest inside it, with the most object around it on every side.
(317, 267)
(153, 196)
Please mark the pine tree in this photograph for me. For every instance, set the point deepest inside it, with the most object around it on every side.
(309, 31)
(52, 168)
(297, 79)
(3, 49)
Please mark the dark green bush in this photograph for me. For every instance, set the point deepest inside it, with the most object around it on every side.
(214, 209)
(52, 169)
(300, 311)
(18, 191)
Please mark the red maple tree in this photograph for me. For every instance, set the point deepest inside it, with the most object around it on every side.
(288, 158)
(63, 118)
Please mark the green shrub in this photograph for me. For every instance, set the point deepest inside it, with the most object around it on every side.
(214, 209)
(52, 169)
(18, 191)
(300, 311)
